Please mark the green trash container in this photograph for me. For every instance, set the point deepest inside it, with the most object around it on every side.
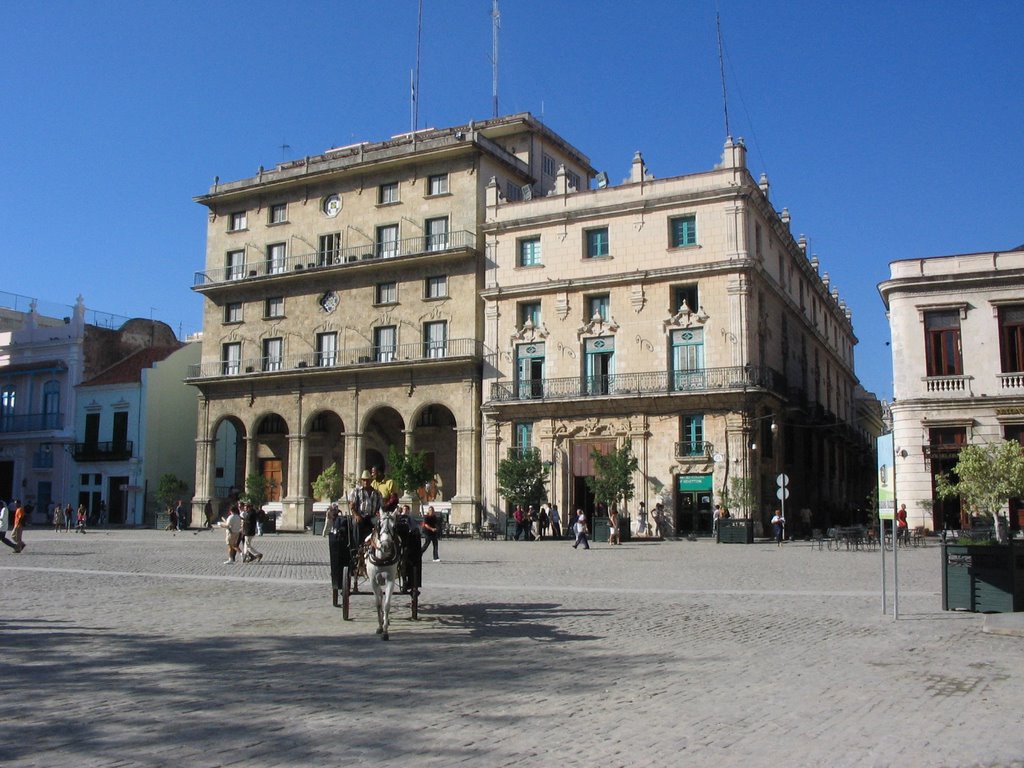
(319, 521)
(625, 528)
(734, 530)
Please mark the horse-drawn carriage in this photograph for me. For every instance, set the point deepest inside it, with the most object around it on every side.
(388, 559)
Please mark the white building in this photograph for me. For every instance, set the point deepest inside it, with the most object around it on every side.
(957, 326)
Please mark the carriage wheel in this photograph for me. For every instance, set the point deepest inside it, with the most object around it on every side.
(346, 591)
(415, 592)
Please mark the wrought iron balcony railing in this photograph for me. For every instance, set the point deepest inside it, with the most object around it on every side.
(646, 383)
(31, 422)
(694, 449)
(115, 450)
(341, 257)
(356, 356)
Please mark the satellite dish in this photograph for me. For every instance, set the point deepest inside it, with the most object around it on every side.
(527, 192)
(602, 180)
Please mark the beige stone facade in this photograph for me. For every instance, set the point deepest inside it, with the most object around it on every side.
(680, 314)
(342, 312)
(957, 326)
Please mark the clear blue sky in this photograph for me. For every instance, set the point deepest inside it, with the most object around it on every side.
(889, 130)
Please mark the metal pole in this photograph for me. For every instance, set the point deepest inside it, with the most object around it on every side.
(881, 548)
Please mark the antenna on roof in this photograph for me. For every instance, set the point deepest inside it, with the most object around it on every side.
(285, 149)
(721, 68)
(495, 26)
(414, 85)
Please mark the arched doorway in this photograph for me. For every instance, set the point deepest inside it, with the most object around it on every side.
(325, 445)
(228, 462)
(271, 455)
(434, 434)
(384, 428)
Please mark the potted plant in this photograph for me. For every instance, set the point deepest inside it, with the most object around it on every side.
(329, 484)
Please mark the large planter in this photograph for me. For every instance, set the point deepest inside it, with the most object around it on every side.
(986, 578)
(734, 530)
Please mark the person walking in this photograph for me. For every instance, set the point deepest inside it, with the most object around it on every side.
(249, 518)
(4, 514)
(19, 526)
(69, 518)
(58, 518)
(431, 531)
(82, 517)
(556, 523)
(519, 516)
(232, 530)
(779, 526)
(180, 516)
(613, 525)
(581, 530)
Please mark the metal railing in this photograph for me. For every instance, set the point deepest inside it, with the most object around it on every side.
(341, 257)
(116, 450)
(694, 449)
(344, 358)
(31, 422)
(646, 383)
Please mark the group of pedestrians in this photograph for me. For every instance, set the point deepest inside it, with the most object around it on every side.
(534, 524)
(64, 518)
(17, 525)
(240, 530)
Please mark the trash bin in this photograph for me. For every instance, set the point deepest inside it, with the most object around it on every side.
(319, 521)
(625, 528)
(734, 530)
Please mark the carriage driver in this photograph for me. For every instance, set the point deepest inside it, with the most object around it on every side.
(365, 504)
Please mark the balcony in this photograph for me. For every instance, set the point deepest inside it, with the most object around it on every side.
(694, 449)
(1011, 382)
(341, 258)
(948, 386)
(31, 422)
(117, 450)
(357, 357)
(649, 383)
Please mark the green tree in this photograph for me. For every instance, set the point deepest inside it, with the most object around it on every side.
(738, 495)
(257, 488)
(169, 489)
(612, 482)
(987, 477)
(521, 478)
(328, 484)
(408, 470)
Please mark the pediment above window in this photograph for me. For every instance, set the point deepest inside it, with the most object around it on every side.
(530, 332)
(685, 318)
(597, 326)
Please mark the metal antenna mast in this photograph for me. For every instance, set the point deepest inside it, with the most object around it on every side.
(495, 26)
(721, 68)
(416, 80)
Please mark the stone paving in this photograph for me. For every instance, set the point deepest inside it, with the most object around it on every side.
(139, 648)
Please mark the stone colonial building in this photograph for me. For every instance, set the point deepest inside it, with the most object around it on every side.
(342, 310)
(948, 393)
(682, 315)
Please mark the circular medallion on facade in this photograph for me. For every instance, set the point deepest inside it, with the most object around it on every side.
(329, 301)
(332, 205)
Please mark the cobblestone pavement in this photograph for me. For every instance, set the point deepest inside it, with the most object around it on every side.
(139, 648)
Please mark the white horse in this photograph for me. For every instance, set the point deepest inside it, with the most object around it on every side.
(382, 568)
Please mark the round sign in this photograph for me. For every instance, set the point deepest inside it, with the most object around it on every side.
(782, 480)
(782, 493)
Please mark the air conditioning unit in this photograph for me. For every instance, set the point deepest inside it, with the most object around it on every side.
(527, 191)
(249, 369)
(350, 259)
(364, 358)
(303, 364)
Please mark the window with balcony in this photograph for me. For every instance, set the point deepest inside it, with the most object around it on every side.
(233, 312)
(529, 310)
(683, 231)
(326, 349)
(7, 398)
(529, 252)
(942, 343)
(435, 287)
(273, 354)
(276, 258)
(384, 343)
(387, 193)
(234, 265)
(119, 443)
(435, 339)
(231, 358)
(386, 293)
(92, 430)
(51, 401)
(687, 358)
(237, 221)
(687, 294)
(599, 364)
(597, 243)
(273, 307)
(529, 370)
(328, 249)
(436, 233)
(387, 241)
(1011, 338)
(691, 435)
(278, 213)
(437, 184)
(598, 306)
(513, 192)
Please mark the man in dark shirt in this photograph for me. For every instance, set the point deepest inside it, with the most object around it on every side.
(366, 503)
(431, 531)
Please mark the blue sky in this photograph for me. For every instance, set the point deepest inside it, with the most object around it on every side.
(889, 130)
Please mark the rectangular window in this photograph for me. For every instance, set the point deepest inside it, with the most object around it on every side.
(1011, 338)
(384, 343)
(435, 339)
(233, 312)
(942, 343)
(599, 365)
(273, 354)
(597, 243)
(688, 359)
(437, 184)
(436, 287)
(386, 293)
(235, 265)
(529, 252)
(598, 306)
(231, 355)
(523, 435)
(7, 398)
(685, 294)
(437, 233)
(278, 213)
(237, 221)
(548, 164)
(329, 249)
(388, 193)
(326, 349)
(273, 307)
(276, 258)
(387, 241)
(683, 231)
(572, 180)
(513, 192)
(529, 370)
(529, 310)
(691, 435)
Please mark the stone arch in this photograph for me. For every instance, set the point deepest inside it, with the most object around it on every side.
(269, 453)
(383, 427)
(325, 445)
(433, 431)
(229, 441)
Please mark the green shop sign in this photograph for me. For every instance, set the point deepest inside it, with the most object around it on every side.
(694, 483)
